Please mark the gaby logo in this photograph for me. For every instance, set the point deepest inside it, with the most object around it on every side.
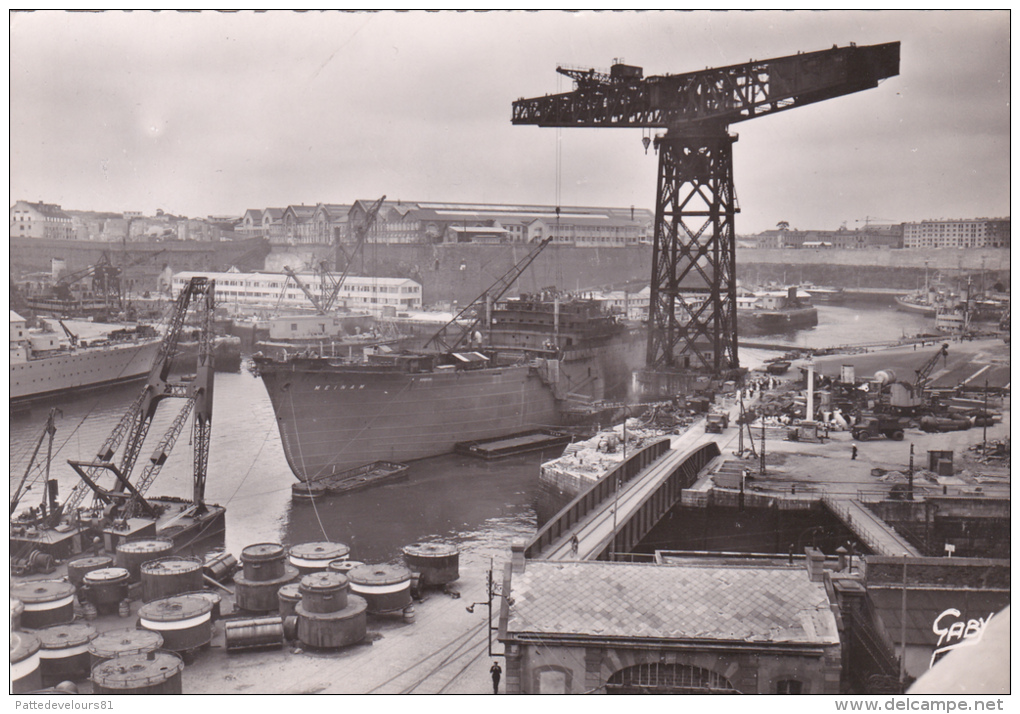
(955, 632)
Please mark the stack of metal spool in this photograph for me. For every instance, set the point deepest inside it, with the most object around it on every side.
(25, 672)
(437, 563)
(119, 643)
(169, 576)
(77, 568)
(63, 652)
(386, 588)
(288, 597)
(157, 672)
(46, 602)
(343, 566)
(132, 553)
(184, 621)
(212, 596)
(327, 616)
(105, 588)
(315, 557)
(264, 572)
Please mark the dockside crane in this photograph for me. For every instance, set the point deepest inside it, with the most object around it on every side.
(329, 287)
(692, 314)
(489, 297)
(127, 498)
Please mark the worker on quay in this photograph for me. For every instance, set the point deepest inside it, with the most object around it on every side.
(495, 670)
(574, 545)
(853, 452)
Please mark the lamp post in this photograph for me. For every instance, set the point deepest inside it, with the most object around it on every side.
(491, 592)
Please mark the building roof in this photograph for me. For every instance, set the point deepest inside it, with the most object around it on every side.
(15, 317)
(274, 214)
(49, 210)
(746, 603)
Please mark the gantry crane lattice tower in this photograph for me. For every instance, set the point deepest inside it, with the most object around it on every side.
(692, 327)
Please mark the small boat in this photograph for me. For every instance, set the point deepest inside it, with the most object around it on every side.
(355, 479)
(522, 442)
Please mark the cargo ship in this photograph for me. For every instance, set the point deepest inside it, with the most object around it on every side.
(44, 364)
(772, 311)
(537, 358)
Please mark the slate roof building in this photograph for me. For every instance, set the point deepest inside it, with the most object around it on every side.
(686, 625)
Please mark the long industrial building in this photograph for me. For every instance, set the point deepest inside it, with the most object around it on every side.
(239, 291)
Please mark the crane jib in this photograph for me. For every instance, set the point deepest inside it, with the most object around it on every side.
(722, 95)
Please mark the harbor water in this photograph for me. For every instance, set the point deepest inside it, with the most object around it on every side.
(481, 506)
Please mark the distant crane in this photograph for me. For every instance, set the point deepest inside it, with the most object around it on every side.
(692, 312)
(329, 286)
(490, 296)
(868, 220)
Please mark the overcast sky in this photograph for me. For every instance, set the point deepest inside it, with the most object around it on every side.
(206, 113)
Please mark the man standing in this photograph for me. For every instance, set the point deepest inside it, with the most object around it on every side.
(853, 452)
(495, 670)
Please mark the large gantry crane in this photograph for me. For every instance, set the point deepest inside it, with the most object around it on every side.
(692, 328)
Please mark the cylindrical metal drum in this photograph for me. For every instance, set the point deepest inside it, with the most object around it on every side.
(220, 566)
(76, 569)
(119, 643)
(261, 596)
(344, 566)
(47, 602)
(313, 557)
(131, 554)
(288, 596)
(17, 610)
(253, 633)
(385, 587)
(25, 674)
(333, 629)
(149, 673)
(212, 596)
(438, 563)
(185, 621)
(263, 562)
(170, 576)
(324, 592)
(106, 588)
(64, 652)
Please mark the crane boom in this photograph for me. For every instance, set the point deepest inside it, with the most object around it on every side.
(926, 369)
(362, 232)
(304, 288)
(493, 293)
(720, 95)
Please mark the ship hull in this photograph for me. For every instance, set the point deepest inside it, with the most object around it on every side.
(336, 417)
(764, 322)
(81, 370)
(919, 309)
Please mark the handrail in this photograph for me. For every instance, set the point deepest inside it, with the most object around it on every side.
(587, 500)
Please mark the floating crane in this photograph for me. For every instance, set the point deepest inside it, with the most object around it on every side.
(125, 498)
(692, 313)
